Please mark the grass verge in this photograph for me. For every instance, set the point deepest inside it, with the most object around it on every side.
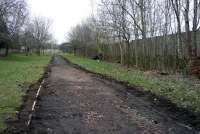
(17, 72)
(183, 91)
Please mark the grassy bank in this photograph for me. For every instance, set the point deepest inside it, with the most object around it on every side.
(182, 91)
(16, 73)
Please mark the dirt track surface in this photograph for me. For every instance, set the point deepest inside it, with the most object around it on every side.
(73, 101)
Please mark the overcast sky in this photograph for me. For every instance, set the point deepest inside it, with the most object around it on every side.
(64, 13)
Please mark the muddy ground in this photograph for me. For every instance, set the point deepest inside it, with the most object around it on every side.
(75, 101)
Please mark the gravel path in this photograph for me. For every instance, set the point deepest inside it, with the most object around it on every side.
(73, 101)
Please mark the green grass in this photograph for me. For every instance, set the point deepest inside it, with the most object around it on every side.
(184, 92)
(16, 70)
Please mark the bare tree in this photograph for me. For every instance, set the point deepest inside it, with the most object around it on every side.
(176, 4)
(41, 27)
(196, 17)
(36, 35)
(12, 17)
(187, 28)
(150, 34)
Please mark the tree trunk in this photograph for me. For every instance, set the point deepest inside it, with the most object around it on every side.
(128, 53)
(121, 53)
(194, 49)
(38, 51)
(187, 28)
(136, 56)
(7, 50)
(143, 23)
(176, 7)
(27, 51)
(194, 29)
(179, 44)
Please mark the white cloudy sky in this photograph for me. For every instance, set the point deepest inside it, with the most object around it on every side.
(63, 13)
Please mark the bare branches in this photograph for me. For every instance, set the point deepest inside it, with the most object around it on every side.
(37, 33)
(12, 17)
(160, 27)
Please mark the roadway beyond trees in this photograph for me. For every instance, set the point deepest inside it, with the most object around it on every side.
(73, 101)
